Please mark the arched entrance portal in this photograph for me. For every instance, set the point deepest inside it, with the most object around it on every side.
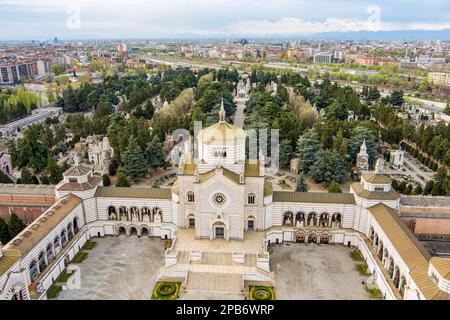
(312, 238)
(122, 231)
(300, 238)
(219, 230)
(324, 238)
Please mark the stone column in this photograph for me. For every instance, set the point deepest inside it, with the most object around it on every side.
(37, 267)
(53, 251)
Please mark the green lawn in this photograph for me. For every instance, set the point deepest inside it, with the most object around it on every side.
(362, 269)
(53, 292)
(356, 255)
(89, 245)
(64, 276)
(80, 257)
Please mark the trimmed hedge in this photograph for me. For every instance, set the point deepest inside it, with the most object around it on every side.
(166, 290)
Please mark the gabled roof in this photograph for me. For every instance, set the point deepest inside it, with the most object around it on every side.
(9, 258)
(313, 197)
(409, 248)
(137, 193)
(39, 228)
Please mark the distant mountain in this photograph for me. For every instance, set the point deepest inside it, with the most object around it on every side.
(407, 35)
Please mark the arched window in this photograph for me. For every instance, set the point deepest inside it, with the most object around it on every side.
(251, 198)
(190, 197)
(287, 218)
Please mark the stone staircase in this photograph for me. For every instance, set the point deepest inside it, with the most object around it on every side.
(216, 272)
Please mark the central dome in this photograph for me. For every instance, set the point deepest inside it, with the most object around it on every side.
(221, 131)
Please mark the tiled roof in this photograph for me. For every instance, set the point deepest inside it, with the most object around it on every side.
(73, 186)
(442, 265)
(27, 189)
(373, 195)
(9, 258)
(376, 178)
(141, 193)
(234, 177)
(221, 132)
(268, 188)
(408, 247)
(313, 197)
(77, 171)
(251, 169)
(36, 231)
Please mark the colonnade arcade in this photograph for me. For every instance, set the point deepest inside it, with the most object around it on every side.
(141, 214)
(313, 237)
(312, 219)
(132, 230)
(40, 262)
(388, 262)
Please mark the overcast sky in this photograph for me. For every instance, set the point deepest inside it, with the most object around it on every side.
(70, 19)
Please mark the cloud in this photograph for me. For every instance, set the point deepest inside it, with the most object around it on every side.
(163, 18)
(298, 26)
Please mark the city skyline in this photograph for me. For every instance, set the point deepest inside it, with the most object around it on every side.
(43, 19)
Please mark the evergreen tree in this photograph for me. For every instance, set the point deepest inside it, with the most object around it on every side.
(334, 187)
(428, 187)
(402, 187)
(54, 170)
(409, 189)
(328, 167)
(308, 146)
(26, 176)
(340, 145)
(4, 232)
(134, 162)
(4, 178)
(359, 134)
(418, 190)
(122, 181)
(301, 184)
(106, 180)
(286, 152)
(15, 225)
(156, 156)
(374, 94)
(394, 184)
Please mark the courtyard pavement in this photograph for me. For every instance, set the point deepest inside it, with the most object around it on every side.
(123, 268)
(316, 272)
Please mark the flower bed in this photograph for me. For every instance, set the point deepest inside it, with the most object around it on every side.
(166, 290)
(261, 293)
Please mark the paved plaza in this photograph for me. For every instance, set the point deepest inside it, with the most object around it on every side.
(123, 268)
(316, 272)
